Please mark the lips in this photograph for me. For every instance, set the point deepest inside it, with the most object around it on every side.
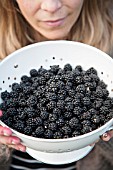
(54, 23)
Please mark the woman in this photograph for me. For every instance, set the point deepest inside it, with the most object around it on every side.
(24, 22)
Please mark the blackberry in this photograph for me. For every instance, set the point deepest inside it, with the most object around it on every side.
(61, 104)
(47, 75)
(86, 78)
(60, 122)
(57, 135)
(3, 106)
(54, 69)
(33, 73)
(39, 132)
(8, 121)
(67, 67)
(73, 122)
(14, 94)
(79, 68)
(86, 115)
(104, 110)
(28, 130)
(16, 87)
(52, 117)
(91, 71)
(94, 77)
(30, 122)
(77, 111)
(60, 97)
(86, 122)
(22, 102)
(41, 71)
(56, 111)
(12, 111)
(52, 126)
(69, 106)
(19, 126)
(107, 103)
(25, 79)
(38, 121)
(99, 92)
(32, 101)
(77, 102)
(48, 134)
(102, 84)
(51, 96)
(71, 93)
(86, 129)
(44, 115)
(51, 105)
(5, 95)
(86, 101)
(27, 90)
(22, 115)
(67, 115)
(68, 99)
(66, 130)
(76, 133)
(30, 112)
(78, 80)
(60, 85)
(42, 81)
(80, 88)
(95, 119)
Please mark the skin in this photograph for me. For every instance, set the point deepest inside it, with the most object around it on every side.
(53, 19)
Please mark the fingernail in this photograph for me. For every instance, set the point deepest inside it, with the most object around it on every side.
(22, 149)
(105, 135)
(15, 141)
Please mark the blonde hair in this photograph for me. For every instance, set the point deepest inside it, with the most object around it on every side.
(94, 26)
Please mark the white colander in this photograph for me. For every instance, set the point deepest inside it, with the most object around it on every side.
(57, 151)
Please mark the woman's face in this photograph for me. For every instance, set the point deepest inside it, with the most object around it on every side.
(53, 19)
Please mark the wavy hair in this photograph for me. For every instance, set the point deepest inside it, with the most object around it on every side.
(94, 26)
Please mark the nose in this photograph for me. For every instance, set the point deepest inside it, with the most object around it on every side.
(51, 5)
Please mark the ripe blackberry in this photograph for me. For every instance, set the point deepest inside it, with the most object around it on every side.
(44, 114)
(16, 87)
(80, 88)
(25, 79)
(86, 122)
(60, 97)
(8, 121)
(27, 130)
(66, 130)
(77, 111)
(52, 126)
(32, 101)
(39, 132)
(77, 102)
(71, 93)
(41, 71)
(86, 129)
(56, 111)
(51, 105)
(57, 135)
(99, 92)
(51, 96)
(42, 80)
(102, 84)
(5, 95)
(86, 115)
(73, 122)
(94, 77)
(60, 122)
(86, 101)
(79, 68)
(69, 106)
(67, 115)
(30, 112)
(86, 78)
(30, 122)
(52, 117)
(22, 115)
(68, 99)
(12, 111)
(95, 119)
(76, 133)
(19, 126)
(107, 103)
(13, 94)
(22, 102)
(54, 69)
(33, 73)
(78, 80)
(91, 70)
(47, 75)
(60, 85)
(61, 104)
(3, 106)
(48, 134)
(67, 67)
(27, 90)
(104, 110)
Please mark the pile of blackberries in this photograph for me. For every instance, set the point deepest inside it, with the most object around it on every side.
(57, 103)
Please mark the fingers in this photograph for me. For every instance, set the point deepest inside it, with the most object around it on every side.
(12, 141)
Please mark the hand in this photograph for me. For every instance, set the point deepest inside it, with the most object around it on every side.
(7, 138)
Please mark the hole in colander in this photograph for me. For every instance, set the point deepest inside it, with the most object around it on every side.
(9, 85)
(14, 78)
(102, 72)
(61, 59)
(8, 78)
(107, 75)
(3, 81)
(16, 66)
(46, 60)
(0, 88)
(53, 58)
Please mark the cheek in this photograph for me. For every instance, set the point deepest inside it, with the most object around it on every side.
(77, 4)
(27, 6)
